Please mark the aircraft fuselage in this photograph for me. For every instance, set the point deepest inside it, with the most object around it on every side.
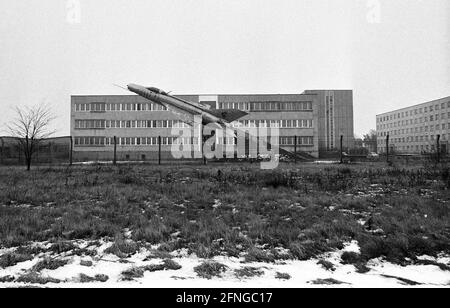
(162, 98)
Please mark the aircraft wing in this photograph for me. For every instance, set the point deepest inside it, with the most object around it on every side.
(207, 107)
(231, 132)
(228, 115)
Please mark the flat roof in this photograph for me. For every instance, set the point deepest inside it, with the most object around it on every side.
(104, 95)
(414, 106)
(233, 94)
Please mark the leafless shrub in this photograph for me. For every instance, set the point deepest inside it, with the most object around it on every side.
(31, 125)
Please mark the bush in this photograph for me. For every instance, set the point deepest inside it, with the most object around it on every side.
(11, 259)
(6, 279)
(328, 281)
(132, 273)
(138, 272)
(259, 255)
(350, 257)
(248, 272)
(327, 265)
(393, 249)
(50, 264)
(153, 232)
(282, 276)
(210, 269)
(98, 278)
(307, 249)
(34, 278)
(166, 265)
(62, 246)
(122, 248)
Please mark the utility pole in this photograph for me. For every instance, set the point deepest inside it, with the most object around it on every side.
(295, 148)
(115, 151)
(1, 150)
(342, 142)
(235, 144)
(71, 151)
(50, 149)
(387, 148)
(203, 139)
(159, 150)
(438, 148)
(205, 161)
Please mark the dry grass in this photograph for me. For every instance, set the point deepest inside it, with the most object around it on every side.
(50, 264)
(35, 278)
(210, 269)
(138, 272)
(248, 272)
(306, 209)
(83, 278)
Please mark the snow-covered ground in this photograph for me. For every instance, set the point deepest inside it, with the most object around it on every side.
(302, 273)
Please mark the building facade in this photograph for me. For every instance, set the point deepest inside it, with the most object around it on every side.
(416, 129)
(317, 118)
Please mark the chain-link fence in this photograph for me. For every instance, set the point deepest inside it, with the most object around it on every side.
(47, 151)
(66, 150)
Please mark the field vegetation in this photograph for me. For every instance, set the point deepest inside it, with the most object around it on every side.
(295, 212)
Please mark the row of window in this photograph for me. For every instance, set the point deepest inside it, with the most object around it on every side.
(416, 111)
(431, 128)
(430, 118)
(274, 123)
(410, 148)
(102, 124)
(269, 106)
(103, 107)
(425, 138)
(107, 141)
(300, 141)
(150, 141)
(250, 106)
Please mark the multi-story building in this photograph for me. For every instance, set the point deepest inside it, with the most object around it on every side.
(316, 118)
(416, 129)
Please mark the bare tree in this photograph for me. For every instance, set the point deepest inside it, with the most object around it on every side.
(371, 140)
(31, 125)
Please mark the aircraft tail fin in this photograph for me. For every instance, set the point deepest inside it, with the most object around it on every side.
(228, 115)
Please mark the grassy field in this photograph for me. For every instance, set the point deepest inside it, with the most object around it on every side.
(294, 212)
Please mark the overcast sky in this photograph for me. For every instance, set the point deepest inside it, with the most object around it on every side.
(392, 53)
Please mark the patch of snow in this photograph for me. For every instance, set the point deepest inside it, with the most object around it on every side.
(353, 246)
(217, 204)
(301, 272)
(326, 162)
(362, 222)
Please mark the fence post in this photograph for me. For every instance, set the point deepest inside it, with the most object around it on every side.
(115, 151)
(295, 148)
(50, 149)
(387, 148)
(37, 152)
(438, 148)
(235, 144)
(1, 150)
(20, 149)
(159, 150)
(71, 151)
(205, 161)
(342, 153)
